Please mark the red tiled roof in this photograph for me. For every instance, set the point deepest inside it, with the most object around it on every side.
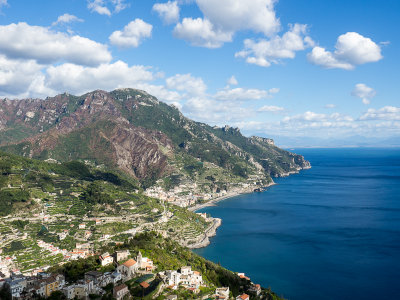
(144, 284)
(129, 263)
(244, 296)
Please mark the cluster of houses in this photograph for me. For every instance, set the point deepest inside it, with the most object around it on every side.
(81, 251)
(6, 264)
(186, 195)
(43, 284)
(192, 280)
(27, 287)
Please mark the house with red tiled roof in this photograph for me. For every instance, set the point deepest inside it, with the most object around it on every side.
(106, 259)
(128, 269)
(243, 297)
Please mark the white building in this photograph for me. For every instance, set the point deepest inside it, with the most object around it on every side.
(222, 293)
(121, 255)
(128, 269)
(186, 277)
(106, 259)
(144, 263)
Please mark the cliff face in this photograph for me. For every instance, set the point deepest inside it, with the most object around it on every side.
(131, 130)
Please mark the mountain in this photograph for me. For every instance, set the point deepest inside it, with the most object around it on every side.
(131, 131)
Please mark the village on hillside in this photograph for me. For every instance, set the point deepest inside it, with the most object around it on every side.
(129, 277)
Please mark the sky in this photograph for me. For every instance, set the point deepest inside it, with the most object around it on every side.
(307, 69)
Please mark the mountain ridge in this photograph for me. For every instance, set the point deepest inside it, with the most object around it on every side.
(131, 130)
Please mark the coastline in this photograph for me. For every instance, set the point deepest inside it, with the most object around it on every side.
(204, 240)
(227, 196)
(212, 230)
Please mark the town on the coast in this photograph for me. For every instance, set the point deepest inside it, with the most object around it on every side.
(99, 176)
(123, 272)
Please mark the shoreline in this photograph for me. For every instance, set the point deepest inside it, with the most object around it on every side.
(227, 196)
(212, 230)
(217, 222)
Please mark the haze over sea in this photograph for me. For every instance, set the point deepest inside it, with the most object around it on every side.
(331, 232)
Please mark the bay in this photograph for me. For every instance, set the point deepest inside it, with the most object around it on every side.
(331, 232)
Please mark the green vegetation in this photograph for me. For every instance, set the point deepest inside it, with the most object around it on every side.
(94, 194)
(167, 255)
(95, 138)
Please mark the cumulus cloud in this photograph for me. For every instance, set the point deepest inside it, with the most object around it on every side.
(162, 93)
(65, 19)
(201, 32)
(265, 52)
(387, 113)
(351, 49)
(232, 81)
(132, 34)
(209, 110)
(22, 41)
(17, 75)
(187, 83)
(271, 108)
(363, 92)
(241, 94)
(106, 7)
(221, 19)
(235, 15)
(79, 79)
(168, 12)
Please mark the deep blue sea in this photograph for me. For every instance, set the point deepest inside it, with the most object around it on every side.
(331, 232)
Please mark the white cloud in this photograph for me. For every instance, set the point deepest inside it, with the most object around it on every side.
(132, 35)
(22, 41)
(225, 17)
(235, 15)
(387, 113)
(232, 81)
(265, 52)
(119, 5)
(274, 90)
(363, 92)
(99, 7)
(17, 75)
(66, 18)
(168, 12)
(240, 94)
(193, 86)
(106, 7)
(162, 93)
(310, 117)
(271, 108)
(202, 33)
(78, 79)
(330, 105)
(351, 49)
(208, 110)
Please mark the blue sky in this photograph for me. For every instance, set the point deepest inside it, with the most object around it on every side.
(319, 69)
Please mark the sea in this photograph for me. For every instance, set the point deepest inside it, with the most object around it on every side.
(330, 232)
